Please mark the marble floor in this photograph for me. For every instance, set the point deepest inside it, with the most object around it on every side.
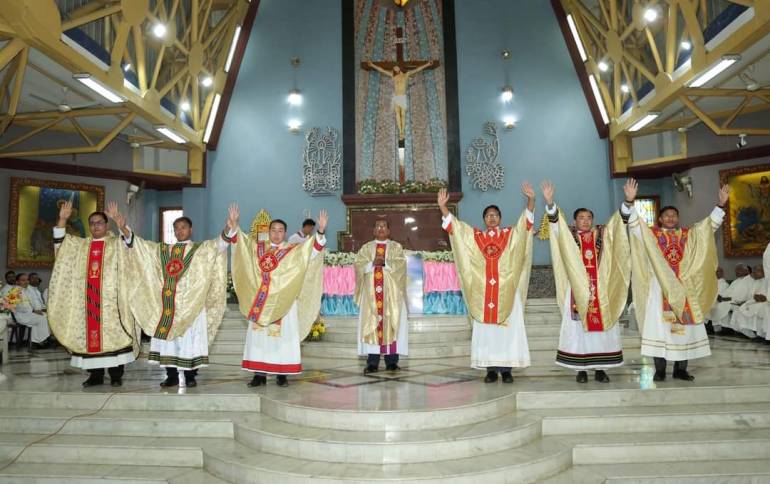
(435, 420)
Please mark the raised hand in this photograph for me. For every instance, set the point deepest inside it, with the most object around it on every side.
(527, 190)
(724, 195)
(630, 189)
(113, 212)
(64, 213)
(548, 189)
(323, 219)
(233, 216)
(443, 199)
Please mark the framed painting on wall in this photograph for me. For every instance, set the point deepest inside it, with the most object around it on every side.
(746, 228)
(33, 211)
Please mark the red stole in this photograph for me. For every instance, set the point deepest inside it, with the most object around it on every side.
(94, 269)
(492, 243)
(269, 259)
(672, 244)
(590, 254)
(379, 298)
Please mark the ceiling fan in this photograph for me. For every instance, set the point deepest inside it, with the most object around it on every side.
(133, 143)
(64, 105)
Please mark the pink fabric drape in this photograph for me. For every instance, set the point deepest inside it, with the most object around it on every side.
(439, 277)
(339, 280)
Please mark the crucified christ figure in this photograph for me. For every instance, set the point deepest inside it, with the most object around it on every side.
(400, 84)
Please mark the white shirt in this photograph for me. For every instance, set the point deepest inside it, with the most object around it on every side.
(298, 237)
(35, 298)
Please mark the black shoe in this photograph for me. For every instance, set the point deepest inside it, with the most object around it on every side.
(507, 377)
(190, 383)
(169, 382)
(491, 377)
(659, 376)
(601, 376)
(93, 381)
(282, 381)
(370, 369)
(117, 382)
(258, 380)
(392, 367)
(683, 375)
(582, 377)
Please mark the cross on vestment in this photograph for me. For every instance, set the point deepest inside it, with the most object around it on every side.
(400, 71)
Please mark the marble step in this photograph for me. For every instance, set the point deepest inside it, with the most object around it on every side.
(118, 423)
(416, 335)
(321, 350)
(266, 434)
(130, 401)
(389, 420)
(109, 450)
(670, 418)
(526, 464)
(31, 473)
(435, 337)
(714, 395)
(417, 322)
(703, 472)
(654, 447)
(328, 349)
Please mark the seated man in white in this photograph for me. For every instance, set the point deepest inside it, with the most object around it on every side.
(32, 314)
(745, 317)
(736, 294)
(722, 286)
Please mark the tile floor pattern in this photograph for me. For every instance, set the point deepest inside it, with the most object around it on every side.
(433, 421)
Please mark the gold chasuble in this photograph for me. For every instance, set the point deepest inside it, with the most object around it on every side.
(684, 261)
(268, 281)
(380, 293)
(88, 308)
(173, 283)
(597, 267)
(492, 265)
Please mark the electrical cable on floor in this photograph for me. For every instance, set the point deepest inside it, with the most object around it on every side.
(82, 415)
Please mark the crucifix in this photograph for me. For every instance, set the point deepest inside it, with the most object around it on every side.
(400, 71)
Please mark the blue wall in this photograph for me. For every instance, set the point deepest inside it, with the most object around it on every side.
(258, 162)
(155, 199)
(555, 136)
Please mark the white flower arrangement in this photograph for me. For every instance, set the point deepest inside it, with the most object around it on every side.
(339, 258)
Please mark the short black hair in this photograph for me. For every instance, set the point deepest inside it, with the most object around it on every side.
(668, 207)
(582, 209)
(32, 274)
(278, 221)
(308, 221)
(19, 275)
(491, 207)
(183, 219)
(10, 272)
(101, 214)
(381, 220)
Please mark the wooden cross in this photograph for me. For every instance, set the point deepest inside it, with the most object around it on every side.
(404, 65)
(400, 88)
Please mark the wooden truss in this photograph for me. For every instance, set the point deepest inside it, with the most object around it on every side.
(185, 67)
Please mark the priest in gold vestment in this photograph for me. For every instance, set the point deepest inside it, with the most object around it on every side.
(279, 288)
(178, 296)
(493, 265)
(674, 285)
(383, 328)
(592, 269)
(88, 306)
